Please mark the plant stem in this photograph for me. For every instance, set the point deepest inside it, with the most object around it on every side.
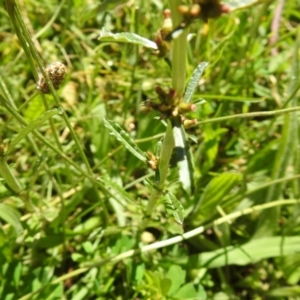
(251, 115)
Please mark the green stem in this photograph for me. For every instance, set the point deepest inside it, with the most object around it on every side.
(179, 51)
(251, 115)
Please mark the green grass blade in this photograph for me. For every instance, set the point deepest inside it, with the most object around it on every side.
(125, 139)
(117, 191)
(217, 189)
(31, 126)
(249, 253)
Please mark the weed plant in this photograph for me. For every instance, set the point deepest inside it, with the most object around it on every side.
(149, 149)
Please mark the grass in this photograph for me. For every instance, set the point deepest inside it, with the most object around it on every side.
(82, 214)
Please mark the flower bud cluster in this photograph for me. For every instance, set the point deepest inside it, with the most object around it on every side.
(169, 104)
(163, 45)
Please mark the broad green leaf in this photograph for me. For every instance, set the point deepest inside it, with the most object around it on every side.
(217, 189)
(187, 292)
(184, 157)
(31, 126)
(249, 253)
(290, 266)
(165, 285)
(125, 139)
(165, 155)
(241, 4)
(177, 275)
(174, 207)
(193, 83)
(126, 37)
(11, 216)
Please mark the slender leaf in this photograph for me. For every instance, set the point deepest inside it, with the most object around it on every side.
(249, 253)
(184, 157)
(174, 207)
(241, 4)
(31, 126)
(193, 83)
(218, 188)
(125, 139)
(126, 37)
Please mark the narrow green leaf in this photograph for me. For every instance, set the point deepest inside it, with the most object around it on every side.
(249, 253)
(126, 37)
(217, 189)
(193, 83)
(174, 207)
(119, 198)
(117, 191)
(30, 127)
(241, 4)
(125, 139)
(184, 157)
(11, 216)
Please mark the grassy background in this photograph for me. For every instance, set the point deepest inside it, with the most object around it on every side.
(67, 225)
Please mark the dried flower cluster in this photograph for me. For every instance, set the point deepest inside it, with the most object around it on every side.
(56, 72)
